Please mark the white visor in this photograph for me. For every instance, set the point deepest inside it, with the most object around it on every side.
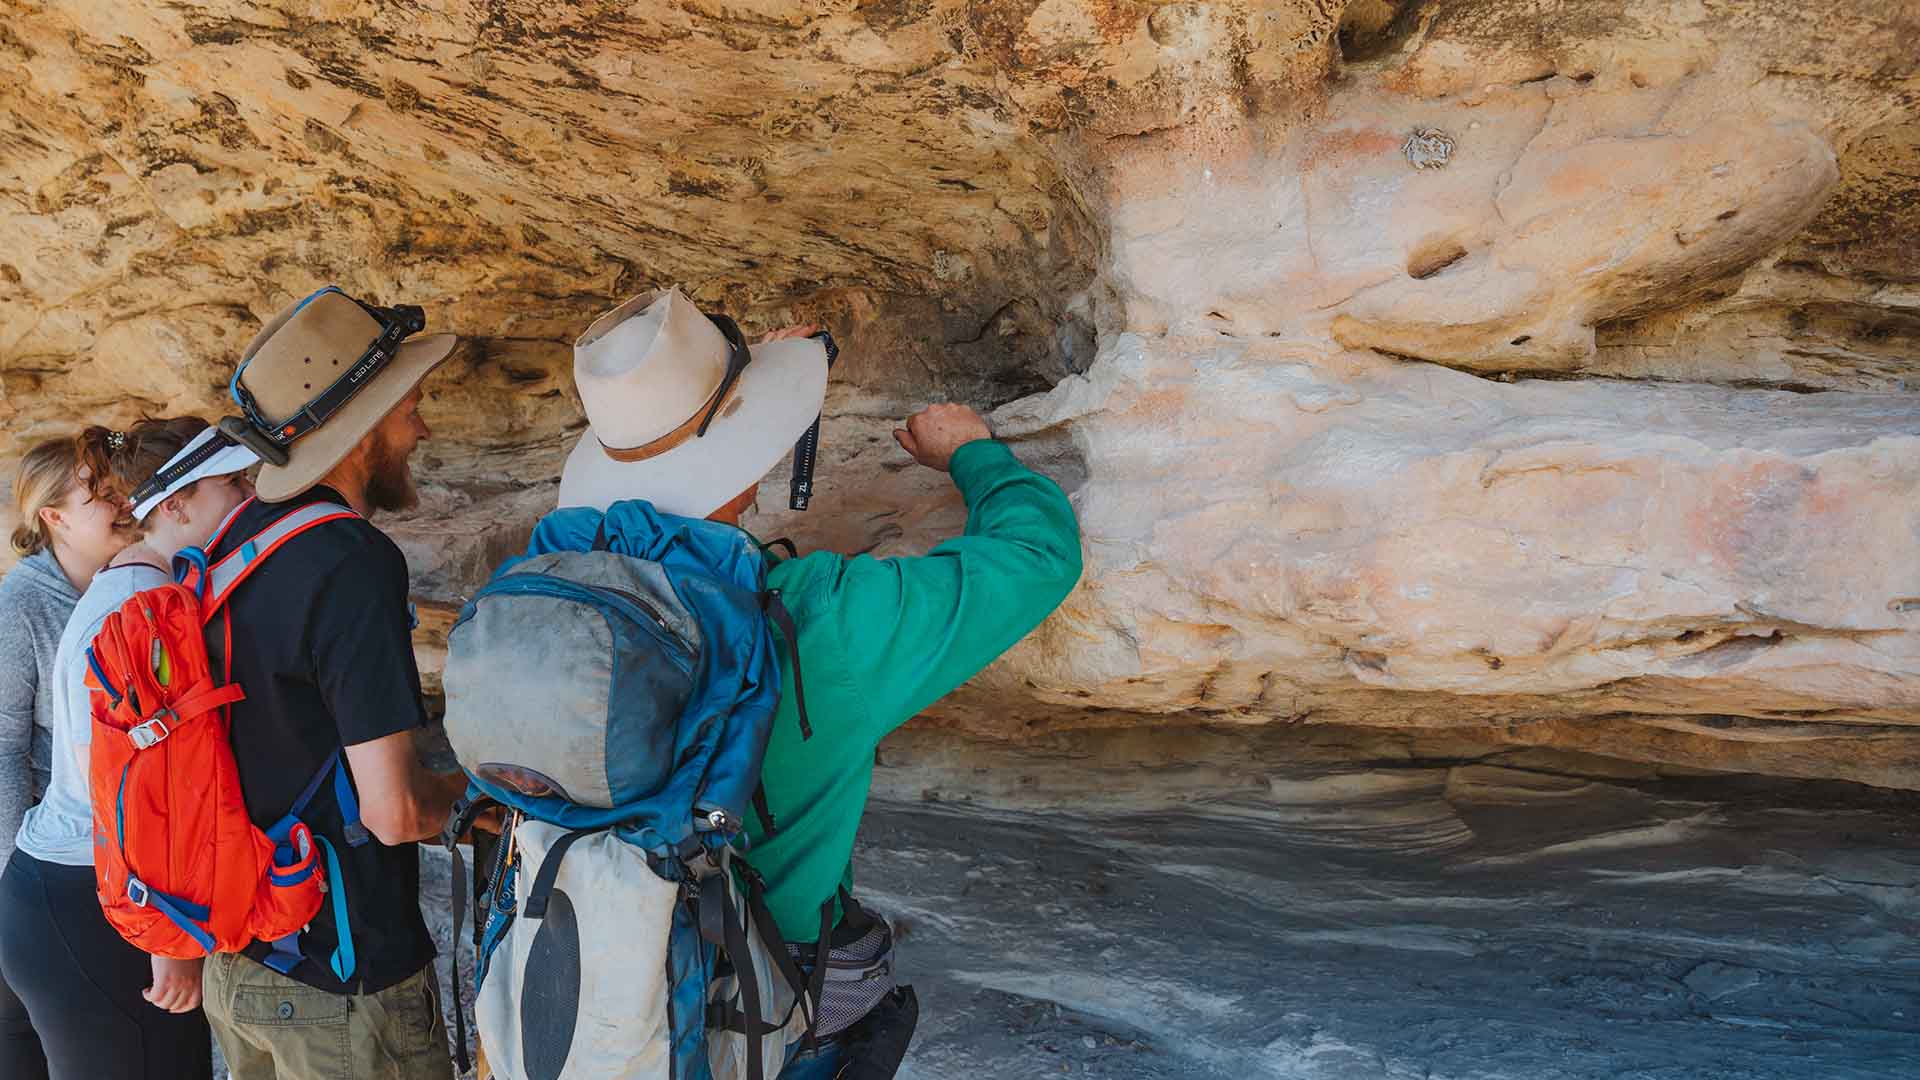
(228, 457)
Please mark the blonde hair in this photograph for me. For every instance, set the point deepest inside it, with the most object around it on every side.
(47, 472)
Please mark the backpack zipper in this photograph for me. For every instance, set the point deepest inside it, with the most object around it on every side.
(641, 603)
(567, 589)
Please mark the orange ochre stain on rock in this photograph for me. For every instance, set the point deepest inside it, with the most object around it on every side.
(1342, 145)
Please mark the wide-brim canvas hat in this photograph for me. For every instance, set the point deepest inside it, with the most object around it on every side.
(321, 374)
(651, 373)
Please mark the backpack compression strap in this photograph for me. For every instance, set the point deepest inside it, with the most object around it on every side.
(722, 923)
(465, 813)
(286, 954)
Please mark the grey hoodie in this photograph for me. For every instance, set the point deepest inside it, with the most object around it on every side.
(35, 600)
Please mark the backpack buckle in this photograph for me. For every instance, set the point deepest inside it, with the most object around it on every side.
(150, 734)
(138, 892)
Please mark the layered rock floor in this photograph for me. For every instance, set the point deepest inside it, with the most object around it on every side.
(1474, 921)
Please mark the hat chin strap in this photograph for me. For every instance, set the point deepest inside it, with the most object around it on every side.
(693, 428)
(807, 450)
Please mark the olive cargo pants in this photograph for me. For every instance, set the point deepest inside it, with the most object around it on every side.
(271, 1027)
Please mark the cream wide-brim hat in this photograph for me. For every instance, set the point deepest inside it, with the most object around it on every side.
(301, 351)
(649, 368)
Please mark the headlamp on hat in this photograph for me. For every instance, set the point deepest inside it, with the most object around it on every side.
(396, 325)
(308, 370)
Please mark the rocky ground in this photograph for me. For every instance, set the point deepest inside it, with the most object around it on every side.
(1490, 918)
(1663, 936)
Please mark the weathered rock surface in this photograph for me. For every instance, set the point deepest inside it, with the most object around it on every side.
(1353, 440)
(1346, 538)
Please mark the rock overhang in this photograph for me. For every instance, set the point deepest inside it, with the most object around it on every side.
(1353, 440)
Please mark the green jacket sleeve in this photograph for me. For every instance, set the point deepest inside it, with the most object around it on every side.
(910, 630)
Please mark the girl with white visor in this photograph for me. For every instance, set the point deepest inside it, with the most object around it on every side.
(102, 1007)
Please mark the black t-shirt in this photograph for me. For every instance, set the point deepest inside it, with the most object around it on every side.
(323, 648)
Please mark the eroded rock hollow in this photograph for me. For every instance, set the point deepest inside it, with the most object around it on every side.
(1541, 370)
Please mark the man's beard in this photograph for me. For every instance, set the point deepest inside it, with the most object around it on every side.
(390, 482)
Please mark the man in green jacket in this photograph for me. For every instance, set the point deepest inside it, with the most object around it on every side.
(687, 416)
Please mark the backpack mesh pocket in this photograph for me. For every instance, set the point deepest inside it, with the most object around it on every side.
(858, 976)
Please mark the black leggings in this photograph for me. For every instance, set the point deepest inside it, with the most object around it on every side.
(20, 1055)
(81, 983)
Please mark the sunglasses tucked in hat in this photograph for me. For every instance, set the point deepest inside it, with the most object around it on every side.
(683, 412)
(321, 375)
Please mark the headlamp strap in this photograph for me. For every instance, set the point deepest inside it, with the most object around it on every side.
(396, 324)
(170, 474)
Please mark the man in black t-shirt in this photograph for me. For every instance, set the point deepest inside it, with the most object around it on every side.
(321, 644)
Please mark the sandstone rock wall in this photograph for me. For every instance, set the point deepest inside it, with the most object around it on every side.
(1598, 432)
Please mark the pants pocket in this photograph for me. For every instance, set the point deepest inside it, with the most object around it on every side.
(289, 1007)
(415, 1037)
(302, 1031)
(425, 1017)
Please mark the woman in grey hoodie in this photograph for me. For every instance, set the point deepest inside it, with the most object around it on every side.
(65, 535)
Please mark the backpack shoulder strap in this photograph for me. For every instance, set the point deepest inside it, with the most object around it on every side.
(776, 610)
(224, 576)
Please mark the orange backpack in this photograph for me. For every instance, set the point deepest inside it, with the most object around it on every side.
(182, 871)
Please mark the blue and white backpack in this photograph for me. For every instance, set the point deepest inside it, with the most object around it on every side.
(615, 698)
